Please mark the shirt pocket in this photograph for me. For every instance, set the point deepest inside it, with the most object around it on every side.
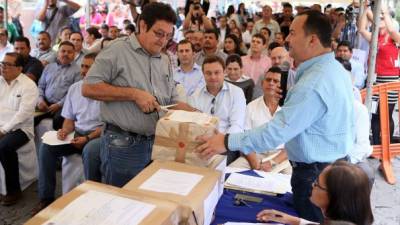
(15, 101)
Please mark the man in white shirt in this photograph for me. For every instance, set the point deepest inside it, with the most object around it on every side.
(18, 97)
(247, 35)
(220, 99)
(268, 22)
(5, 46)
(188, 73)
(259, 112)
(345, 51)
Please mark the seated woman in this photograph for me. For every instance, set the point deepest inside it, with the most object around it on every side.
(232, 45)
(234, 75)
(341, 191)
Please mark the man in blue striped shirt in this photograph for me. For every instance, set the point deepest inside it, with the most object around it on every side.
(316, 122)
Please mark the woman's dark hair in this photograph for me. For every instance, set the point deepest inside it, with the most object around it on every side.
(349, 194)
(94, 31)
(230, 11)
(156, 11)
(234, 58)
(235, 40)
(239, 8)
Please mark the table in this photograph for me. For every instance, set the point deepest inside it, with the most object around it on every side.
(226, 210)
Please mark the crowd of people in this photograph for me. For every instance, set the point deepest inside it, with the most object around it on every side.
(285, 87)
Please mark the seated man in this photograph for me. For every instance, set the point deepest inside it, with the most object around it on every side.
(57, 77)
(32, 67)
(44, 52)
(259, 112)
(82, 115)
(221, 99)
(188, 73)
(18, 96)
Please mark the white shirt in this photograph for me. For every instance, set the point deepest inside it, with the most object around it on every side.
(9, 48)
(246, 36)
(257, 114)
(17, 104)
(229, 106)
(362, 147)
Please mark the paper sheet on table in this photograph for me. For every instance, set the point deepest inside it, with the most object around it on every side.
(257, 184)
(170, 181)
(50, 138)
(189, 117)
(239, 223)
(283, 179)
(99, 208)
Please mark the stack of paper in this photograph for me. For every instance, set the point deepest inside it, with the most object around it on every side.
(264, 185)
(50, 138)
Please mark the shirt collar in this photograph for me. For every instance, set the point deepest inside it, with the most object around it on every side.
(62, 66)
(308, 63)
(136, 46)
(225, 87)
(195, 67)
(17, 79)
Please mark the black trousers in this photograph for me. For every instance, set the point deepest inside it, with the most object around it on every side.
(376, 125)
(58, 120)
(9, 144)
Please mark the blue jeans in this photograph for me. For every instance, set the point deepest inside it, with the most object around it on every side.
(302, 179)
(48, 156)
(123, 156)
(91, 160)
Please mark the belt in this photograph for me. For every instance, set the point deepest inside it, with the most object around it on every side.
(117, 129)
(314, 164)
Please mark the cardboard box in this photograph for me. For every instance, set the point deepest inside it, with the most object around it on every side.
(165, 212)
(176, 135)
(198, 204)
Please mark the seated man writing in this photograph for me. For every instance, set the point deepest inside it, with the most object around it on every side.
(82, 115)
(259, 112)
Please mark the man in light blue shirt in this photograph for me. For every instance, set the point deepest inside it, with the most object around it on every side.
(53, 85)
(82, 116)
(221, 99)
(188, 73)
(316, 122)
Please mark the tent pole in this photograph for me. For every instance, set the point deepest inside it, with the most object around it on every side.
(372, 54)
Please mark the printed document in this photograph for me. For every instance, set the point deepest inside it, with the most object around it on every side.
(98, 208)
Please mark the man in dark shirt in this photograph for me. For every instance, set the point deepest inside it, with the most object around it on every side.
(32, 67)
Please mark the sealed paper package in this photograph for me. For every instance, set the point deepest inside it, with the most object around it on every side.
(176, 137)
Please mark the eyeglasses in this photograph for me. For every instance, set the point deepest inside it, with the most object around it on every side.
(316, 184)
(6, 64)
(160, 35)
(213, 106)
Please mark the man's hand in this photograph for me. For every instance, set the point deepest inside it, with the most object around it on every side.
(278, 94)
(146, 102)
(54, 108)
(42, 106)
(211, 145)
(61, 134)
(79, 142)
(277, 216)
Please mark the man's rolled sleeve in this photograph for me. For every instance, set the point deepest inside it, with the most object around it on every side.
(301, 110)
